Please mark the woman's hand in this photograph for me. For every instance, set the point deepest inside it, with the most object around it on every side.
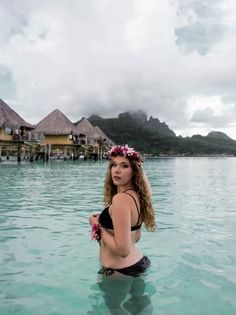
(94, 219)
(95, 227)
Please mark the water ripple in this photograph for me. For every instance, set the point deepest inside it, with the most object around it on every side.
(48, 261)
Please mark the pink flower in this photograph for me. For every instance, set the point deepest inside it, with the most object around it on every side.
(95, 232)
(119, 150)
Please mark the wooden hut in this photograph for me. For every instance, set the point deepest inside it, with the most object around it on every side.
(87, 138)
(93, 137)
(104, 143)
(57, 128)
(107, 141)
(60, 135)
(12, 126)
(14, 130)
(87, 134)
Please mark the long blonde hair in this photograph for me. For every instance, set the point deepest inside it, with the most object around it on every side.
(142, 189)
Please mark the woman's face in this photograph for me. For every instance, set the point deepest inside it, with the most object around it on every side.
(121, 171)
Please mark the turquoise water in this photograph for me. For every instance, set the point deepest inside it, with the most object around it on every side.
(48, 265)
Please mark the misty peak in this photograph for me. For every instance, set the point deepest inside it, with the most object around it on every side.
(153, 121)
(95, 116)
(139, 115)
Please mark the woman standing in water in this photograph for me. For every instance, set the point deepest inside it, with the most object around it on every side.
(127, 196)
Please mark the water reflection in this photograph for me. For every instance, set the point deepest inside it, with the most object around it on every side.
(121, 295)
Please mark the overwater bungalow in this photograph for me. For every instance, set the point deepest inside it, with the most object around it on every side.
(15, 132)
(107, 141)
(93, 137)
(86, 132)
(59, 135)
(54, 136)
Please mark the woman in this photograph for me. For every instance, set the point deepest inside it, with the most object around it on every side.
(118, 228)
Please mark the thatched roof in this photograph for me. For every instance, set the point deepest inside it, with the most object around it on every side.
(9, 118)
(56, 123)
(85, 127)
(102, 135)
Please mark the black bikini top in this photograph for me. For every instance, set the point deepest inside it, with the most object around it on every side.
(106, 221)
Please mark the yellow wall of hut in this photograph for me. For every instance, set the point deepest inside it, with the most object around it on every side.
(57, 139)
(4, 136)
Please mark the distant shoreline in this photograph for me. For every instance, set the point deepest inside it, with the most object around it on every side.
(187, 155)
(157, 157)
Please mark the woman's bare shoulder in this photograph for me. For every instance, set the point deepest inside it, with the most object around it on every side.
(120, 206)
(124, 201)
(120, 197)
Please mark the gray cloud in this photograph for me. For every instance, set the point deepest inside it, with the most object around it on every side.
(87, 57)
(208, 116)
(203, 25)
(198, 36)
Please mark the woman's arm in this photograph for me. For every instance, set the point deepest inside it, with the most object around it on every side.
(120, 242)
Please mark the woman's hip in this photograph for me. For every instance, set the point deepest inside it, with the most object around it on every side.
(134, 270)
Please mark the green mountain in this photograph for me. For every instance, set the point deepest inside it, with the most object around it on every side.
(151, 124)
(218, 135)
(154, 137)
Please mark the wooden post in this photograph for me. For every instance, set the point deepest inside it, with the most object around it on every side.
(65, 153)
(0, 153)
(19, 153)
(31, 159)
(77, 153)
(49, 151)
(45, 153)
(23, 153)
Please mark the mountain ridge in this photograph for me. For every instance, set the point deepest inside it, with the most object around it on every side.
(155, 137)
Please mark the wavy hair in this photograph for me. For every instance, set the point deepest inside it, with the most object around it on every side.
(142, 188)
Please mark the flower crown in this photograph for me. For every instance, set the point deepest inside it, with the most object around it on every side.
(120, 150)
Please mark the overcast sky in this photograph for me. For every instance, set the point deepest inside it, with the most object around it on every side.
(173, 59)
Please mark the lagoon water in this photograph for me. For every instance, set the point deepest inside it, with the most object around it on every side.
(48, 264)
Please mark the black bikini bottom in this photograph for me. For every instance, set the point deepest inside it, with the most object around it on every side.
(134, 270)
